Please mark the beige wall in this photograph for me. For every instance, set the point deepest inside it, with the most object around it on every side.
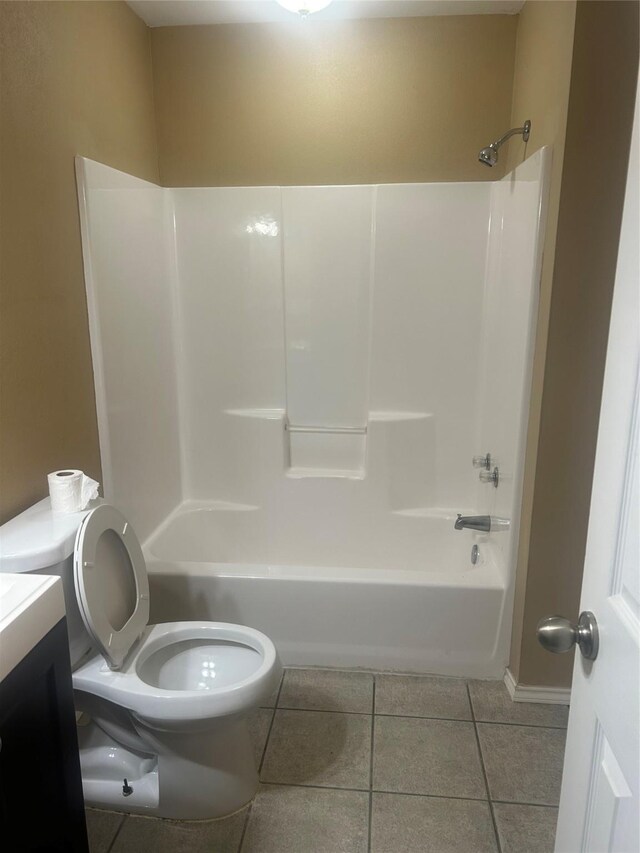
(364, 101)
(568, 381)
(76, 79)
(540, 93)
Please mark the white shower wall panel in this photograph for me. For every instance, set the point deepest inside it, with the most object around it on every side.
(129, 295)
(375, 307)
(327, 284)
(518, 210)
(319, 306)
(430, 259)
(229, 282)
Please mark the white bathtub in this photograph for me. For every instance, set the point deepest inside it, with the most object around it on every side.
(432, 613)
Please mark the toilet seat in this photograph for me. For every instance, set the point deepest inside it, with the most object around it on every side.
(111, 582)
(174, 707)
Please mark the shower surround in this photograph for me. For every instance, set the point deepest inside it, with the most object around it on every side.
(291, 383)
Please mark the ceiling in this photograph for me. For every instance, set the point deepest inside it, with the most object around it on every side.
(171, 13)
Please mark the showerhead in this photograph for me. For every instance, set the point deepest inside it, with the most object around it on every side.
(489, 155)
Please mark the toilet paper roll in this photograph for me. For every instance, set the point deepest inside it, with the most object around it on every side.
(71, 490)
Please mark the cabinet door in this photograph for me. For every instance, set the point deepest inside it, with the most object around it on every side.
(41, 803)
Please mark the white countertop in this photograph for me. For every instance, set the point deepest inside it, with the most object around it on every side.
(30, 605)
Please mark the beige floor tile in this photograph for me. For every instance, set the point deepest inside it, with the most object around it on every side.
(327, 690)
(422, 696)
(307, 820)
(142, 834)
(492, 704)
(101, 829)
(430, 825)
(438, 757)
(258, 722)
(526, 829)
(523, 763)
(319, 748)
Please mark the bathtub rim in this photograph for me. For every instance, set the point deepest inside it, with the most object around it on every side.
(486, 576)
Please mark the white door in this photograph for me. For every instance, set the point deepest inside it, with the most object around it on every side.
(599, 803)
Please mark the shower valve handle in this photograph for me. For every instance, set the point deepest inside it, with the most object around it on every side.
(490, 477)
(482, 462)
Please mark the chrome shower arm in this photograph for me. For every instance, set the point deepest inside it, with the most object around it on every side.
(525, 130)
(489, 155)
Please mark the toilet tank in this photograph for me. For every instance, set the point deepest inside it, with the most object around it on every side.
(41, 542)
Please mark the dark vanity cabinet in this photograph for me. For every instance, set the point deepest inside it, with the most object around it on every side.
(41, 803)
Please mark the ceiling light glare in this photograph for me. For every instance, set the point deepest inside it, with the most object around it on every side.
(304, 8)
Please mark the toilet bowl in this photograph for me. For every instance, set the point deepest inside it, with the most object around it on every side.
(174, 717)
(163, 725)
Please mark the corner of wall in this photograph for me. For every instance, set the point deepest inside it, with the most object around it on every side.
(547, 27)
(154, 106)
(577, 283)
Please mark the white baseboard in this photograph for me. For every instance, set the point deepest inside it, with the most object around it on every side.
(529, 693)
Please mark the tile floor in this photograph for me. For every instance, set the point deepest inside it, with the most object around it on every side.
(356, 763)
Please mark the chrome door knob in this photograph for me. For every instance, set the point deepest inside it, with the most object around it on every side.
(556, 634)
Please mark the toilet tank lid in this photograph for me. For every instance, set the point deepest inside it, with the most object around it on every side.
(39, 538)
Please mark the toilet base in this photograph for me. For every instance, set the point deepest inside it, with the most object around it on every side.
(184, 776)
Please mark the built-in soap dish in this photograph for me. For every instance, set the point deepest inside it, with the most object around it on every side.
(326, 473)
(320, 451)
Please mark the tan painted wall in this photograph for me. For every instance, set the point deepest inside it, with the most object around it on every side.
(76, 79)
(540, 93)
(364, 101)
(600, 114)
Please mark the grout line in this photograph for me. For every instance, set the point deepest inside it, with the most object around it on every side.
(421, 717)
(314, 787)
(245, 825)
(519, 725)
(484, 774)
(522, 803)
(429, 796)
(424, 717)
(117, 833)
(266, 740)
(273, 717)
(280, 686)
(418, 717)
(264, 752)
(373, 725)
(381, 791)
(402, 673)
(325, 711)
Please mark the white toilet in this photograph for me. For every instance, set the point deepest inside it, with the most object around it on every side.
(164, 706)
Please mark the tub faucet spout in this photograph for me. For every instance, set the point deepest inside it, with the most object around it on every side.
(473, 522)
